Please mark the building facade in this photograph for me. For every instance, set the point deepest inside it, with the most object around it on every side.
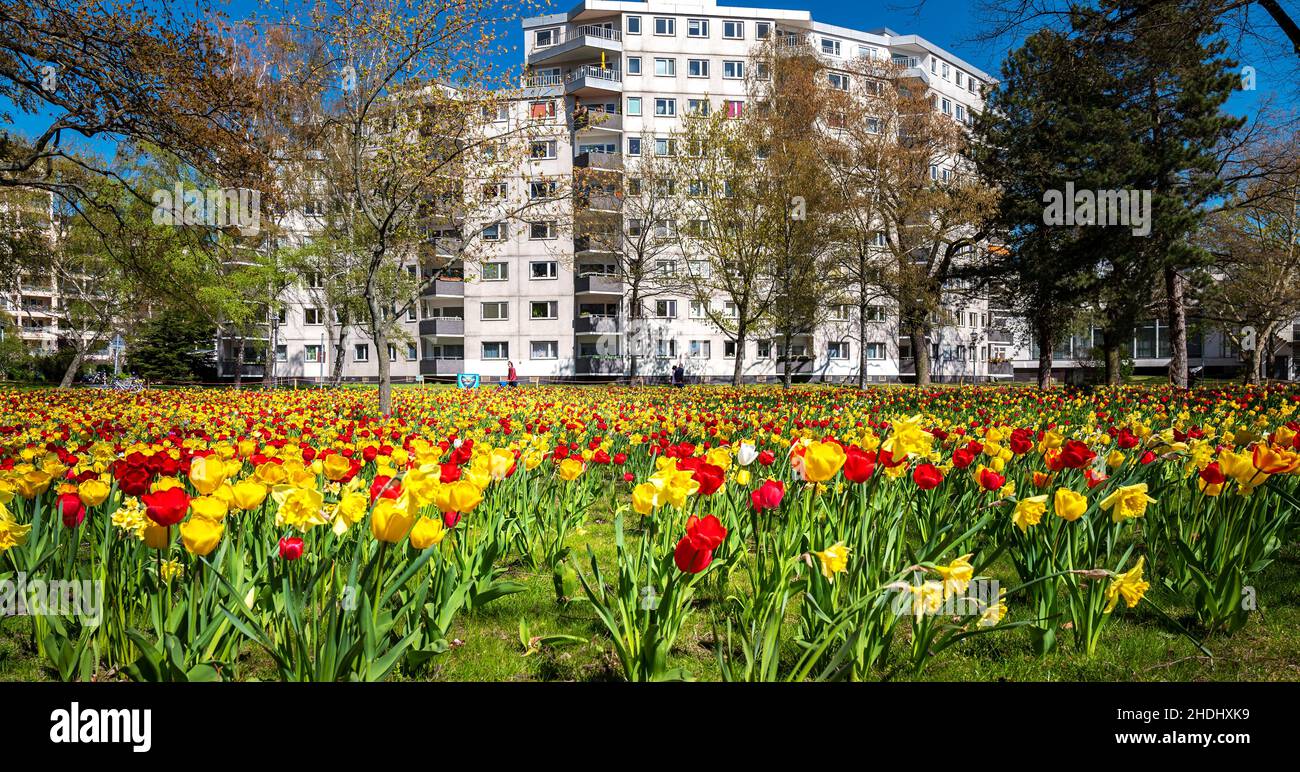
(608, 84)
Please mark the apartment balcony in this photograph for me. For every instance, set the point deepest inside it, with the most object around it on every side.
(587, 245)
(799, 365)
(1001, 336)
(449, 367)
(591, 80)
(446, 326)
(596, 325)
(1001, 369)
(612, 162)
(598, 284)
(599, 366)
(545, 85)
(575, 44)
(598, 120)
(445, 288)
(444, 246)
(248, 370)
(597, 203)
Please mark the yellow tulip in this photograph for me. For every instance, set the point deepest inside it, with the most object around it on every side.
(570, 469)
(389, 521)
(248, 495)
(209, 508)
(427, 532)
(1069, 505)
(822, 461)
(1029, 511)
(207, 473)
(93, 492)
(201, 535)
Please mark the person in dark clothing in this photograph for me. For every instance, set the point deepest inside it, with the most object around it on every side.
(679, 376)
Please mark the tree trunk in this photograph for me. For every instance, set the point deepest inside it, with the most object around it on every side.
(921, 352)
(1177, 311)
(862, 344)
(742, 333)
(268, 372)
(1046, 345)
(787, 370)
(239, 362)
(634, 329)
(380, 338)
(74, 366)
(1110, 350)
(339, 352)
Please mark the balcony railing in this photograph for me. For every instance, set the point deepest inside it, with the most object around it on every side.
(597, 73)
(593, 324)
(599, 366)
(442, 326)
(598, 283)
(445, 288)
(586, 30)
(606, 161)
(442, 366)
(541, 81)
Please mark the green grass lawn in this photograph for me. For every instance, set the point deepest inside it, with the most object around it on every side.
(1137, 644)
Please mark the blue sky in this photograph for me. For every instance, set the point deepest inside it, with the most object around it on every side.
(950, 24)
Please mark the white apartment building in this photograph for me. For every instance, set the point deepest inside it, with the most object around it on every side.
(555, 305)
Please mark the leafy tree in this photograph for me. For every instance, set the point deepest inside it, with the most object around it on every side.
(173, 346)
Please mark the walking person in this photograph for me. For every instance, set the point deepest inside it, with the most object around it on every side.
(512, 377)
(679, 376)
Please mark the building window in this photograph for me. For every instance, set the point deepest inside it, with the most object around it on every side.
(666, 67)
(697, 107)
(764, 348)
(541, 110)
(839, 81)
(666, 107)
(496, 349)
(543, 269)
(735, 108)
(729, 349)
(830, 47)
(665, 147)
(544, 349)
(494, 232)
(875, 351)
(634, 146)
(733, 69)
(697, 28)
(282, 353)
(697, 309)
(282, 316)
(840, 312)
(762, 30)
(875, 313)
(312, 354)
(541, 189)
(634, 105)
(634, 25)
(634, 65)
(544, 309)
(496, 271)
(541, 231)
(312, 316)
(666, 309)
(837, 350)
(733, 30)
(697, 68)
(701, 349)
(542, 150)
(546, 37)
(666, 347)
(494, 311)
(665, 26)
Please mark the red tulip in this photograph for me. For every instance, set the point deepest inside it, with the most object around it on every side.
(1212, 474)
(927, 476)
(1076, 455)
(291, 548)
(694, 552)
(450, 519)
(768, 495)
(859, 465)
(962, 458)
(72, 509)
(166, 508)
(990, 480)
(766, 457)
